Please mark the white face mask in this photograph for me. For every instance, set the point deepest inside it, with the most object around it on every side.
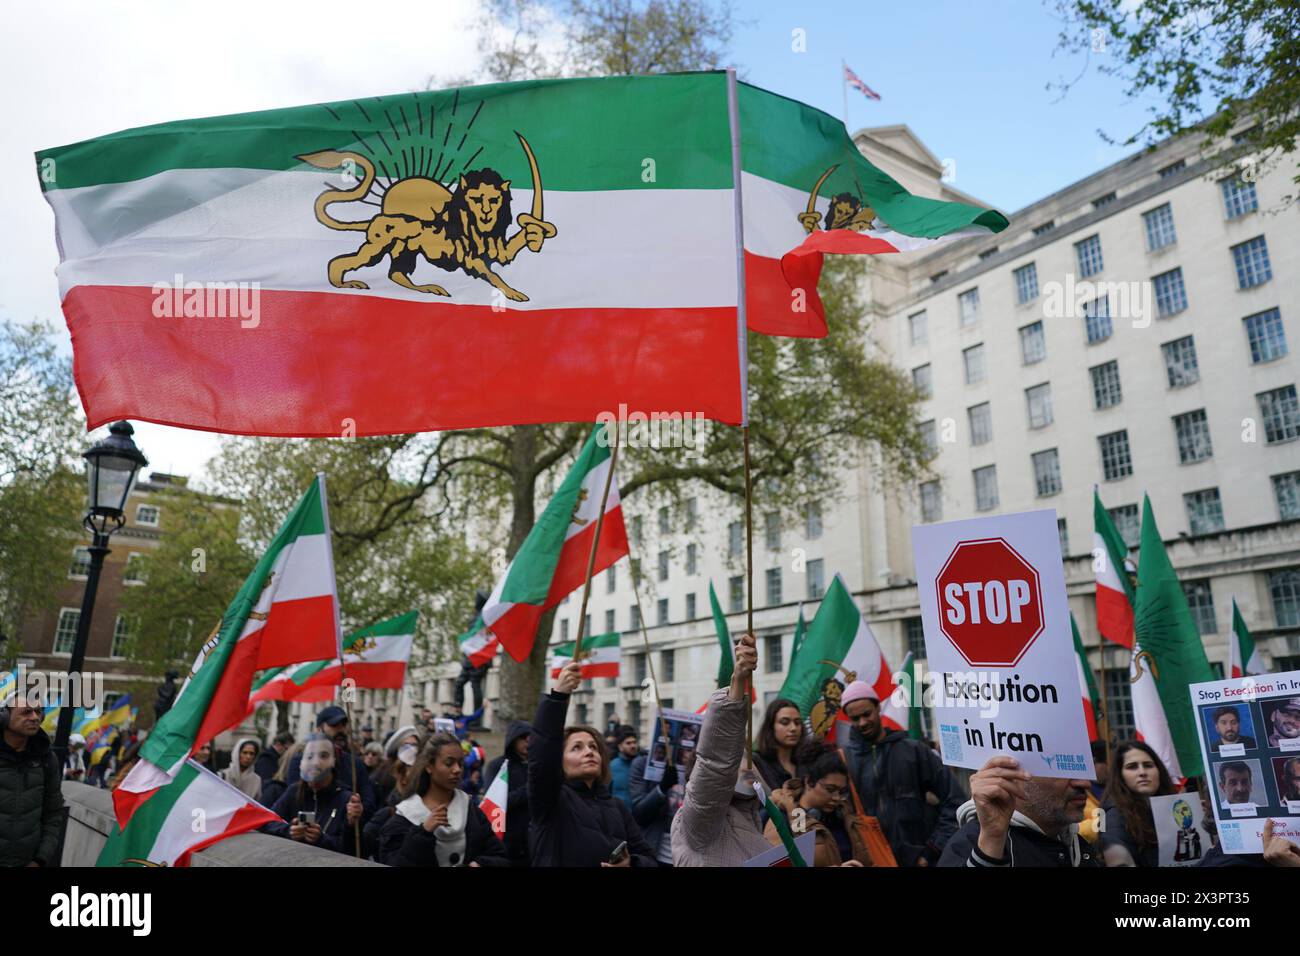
(317, 760)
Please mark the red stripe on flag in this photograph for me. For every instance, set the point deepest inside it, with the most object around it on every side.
(1115, 617)
(125, 803)
(393, 366)
(297, 631)
(371, 674)
(248, 817)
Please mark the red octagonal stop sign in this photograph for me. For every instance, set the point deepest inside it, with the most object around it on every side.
(990, 602)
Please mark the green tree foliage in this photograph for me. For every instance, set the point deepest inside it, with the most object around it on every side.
(1205, 66)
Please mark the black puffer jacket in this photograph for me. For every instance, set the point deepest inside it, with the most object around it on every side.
(31, 803)
(517, 802)
(573, 824)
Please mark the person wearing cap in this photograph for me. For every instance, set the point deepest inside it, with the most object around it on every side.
(899, 780)
(1285, 720)
(332, 721)
(31, 801)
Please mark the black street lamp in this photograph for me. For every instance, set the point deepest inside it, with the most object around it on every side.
(111, 467)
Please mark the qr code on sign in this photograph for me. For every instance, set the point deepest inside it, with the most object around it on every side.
(1230, 837)
(950, 742)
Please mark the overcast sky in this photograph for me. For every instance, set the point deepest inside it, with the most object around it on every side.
(968, 78)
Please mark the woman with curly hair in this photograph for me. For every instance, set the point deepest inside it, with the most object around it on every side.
(813, 799)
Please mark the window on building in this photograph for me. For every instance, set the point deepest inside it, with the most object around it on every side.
(1193, 431)
(1088, 253)
(610, 625)
(1044, 228)
(773, 662)
(1281, 414)
(692, 513)
(1171, 295)
(147, 515)
(1047, 472)
(1286, 489)
(564, 629)
(772, 530)
(931, 502)
(973, 359)
(668, 664)
(1284, 589)
(736, 539)
(1033, 345)
(586, 624)
(986, 487)
(938, 276)
(1159, 224)
(988, 253)
(1026, 283)
(1039, 399)
(611, 579)
(1063, 536)
(981, 423)
(665, 521)
(968, 306)
(1204, 511)
(1096, 319)
(121, 634)
(736, 592)
(1266, 336)
(1105, 200)
(1106, 391)
(1239, 197)
(637, 537)
(914, 632)
(930, 436)
(1175, 167)
(921, 379)
(1251, 260)
(1181, 367)
(65, 633)
(1115, 460)
(663, 565)
(690, 558)
(1127, 523)
(690, 607)
(813, 520)
(662, 611)
(816, 579)
(80, 566)
(917, 327)
(635, 565)
(634, 618)
(1119, 702)
(634, 714)
(608, 710)
(773, 586)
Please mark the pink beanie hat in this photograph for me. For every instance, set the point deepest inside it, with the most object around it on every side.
(858, 690)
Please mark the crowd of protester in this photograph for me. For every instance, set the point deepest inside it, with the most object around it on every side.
(577, 795)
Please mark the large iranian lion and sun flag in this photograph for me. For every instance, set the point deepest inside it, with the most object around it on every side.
(505, 254)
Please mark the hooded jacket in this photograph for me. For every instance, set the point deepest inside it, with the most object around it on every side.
(249, 782)
(343, 775)
(1027, 845)
(267, 763)
(403, 840)
(906, 786)
(329, 803)
(517, 801)
(572, 823)
(716, 825)
(31, 803)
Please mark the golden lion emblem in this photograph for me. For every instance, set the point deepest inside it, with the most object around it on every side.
(420, 217)
(846, 211)
(359, 648)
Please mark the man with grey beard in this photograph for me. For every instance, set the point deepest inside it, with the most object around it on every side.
(1016, 819)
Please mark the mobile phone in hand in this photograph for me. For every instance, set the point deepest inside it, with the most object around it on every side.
(306, 817)
(619, 854)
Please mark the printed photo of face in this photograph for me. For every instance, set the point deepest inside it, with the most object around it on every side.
(1229, 727)
(317, 760)
(1235, 782)
(1285, 721)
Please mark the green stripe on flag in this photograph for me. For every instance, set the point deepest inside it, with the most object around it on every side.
(587, 134)
(137, 840)
(782, 828)
(830, 635)
(1116, 549)
(588, 644)
(727, 660)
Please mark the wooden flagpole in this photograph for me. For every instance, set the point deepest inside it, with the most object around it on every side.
(749, 600)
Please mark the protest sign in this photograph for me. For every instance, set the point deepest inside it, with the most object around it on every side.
(683, 734)
(1180, 829)
(1003, 678)
(1249, 730)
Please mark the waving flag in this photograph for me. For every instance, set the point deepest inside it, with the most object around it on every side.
(1092, 706)
(1114, 587)
(853, 80)
(478, 644)
(727, 650)
(493, 803)
(286, 611)
(552, 561)
(601, 655)
(1243, 656)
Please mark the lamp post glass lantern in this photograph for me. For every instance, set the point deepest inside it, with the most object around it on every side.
(111, 468)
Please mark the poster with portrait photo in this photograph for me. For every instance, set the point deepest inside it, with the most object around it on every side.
(1248, 727)
(1181, 833)
(1286, 774)
(1231, 729)
(683, 733)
